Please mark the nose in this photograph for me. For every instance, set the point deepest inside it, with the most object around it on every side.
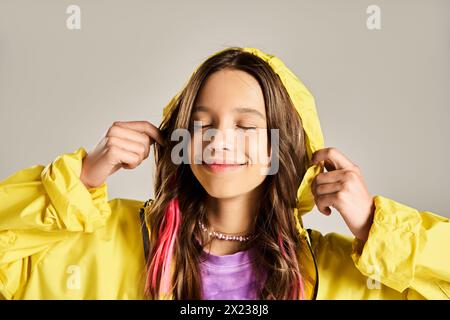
(221, 140)
(226, 145)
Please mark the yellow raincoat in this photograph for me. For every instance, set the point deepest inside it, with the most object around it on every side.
(60, 240)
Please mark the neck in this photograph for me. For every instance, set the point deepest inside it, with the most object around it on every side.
(234, 215)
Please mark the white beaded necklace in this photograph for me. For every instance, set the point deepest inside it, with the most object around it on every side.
(224, 236)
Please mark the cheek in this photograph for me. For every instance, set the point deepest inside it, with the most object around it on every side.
(195, 147)
(257, 152)
(257, 149)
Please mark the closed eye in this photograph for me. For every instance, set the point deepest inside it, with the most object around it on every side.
(246, 128)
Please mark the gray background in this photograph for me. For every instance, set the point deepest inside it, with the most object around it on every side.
(382, 96)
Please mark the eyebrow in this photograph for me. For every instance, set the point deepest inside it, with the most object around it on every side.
(237, 109)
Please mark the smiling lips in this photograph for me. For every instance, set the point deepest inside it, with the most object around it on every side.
(223, 167)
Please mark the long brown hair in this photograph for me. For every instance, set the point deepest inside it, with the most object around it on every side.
(180, 198)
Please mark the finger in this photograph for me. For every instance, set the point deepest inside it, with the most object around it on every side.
(125, 158)
(329, 177)
(324, 202)
(136, 147)
(327, 188)
(332, 158)
(144, 127)
(127, 133)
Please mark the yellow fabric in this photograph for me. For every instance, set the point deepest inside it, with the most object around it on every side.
(60, 240)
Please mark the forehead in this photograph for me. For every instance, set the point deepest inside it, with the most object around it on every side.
(226, 89)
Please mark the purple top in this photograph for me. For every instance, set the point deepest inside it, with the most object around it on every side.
(228, 277)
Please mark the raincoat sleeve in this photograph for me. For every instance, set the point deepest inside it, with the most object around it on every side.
(407, 250)
(40, 206)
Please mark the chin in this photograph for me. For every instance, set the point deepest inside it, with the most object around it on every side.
(228, 185)
(224, 191)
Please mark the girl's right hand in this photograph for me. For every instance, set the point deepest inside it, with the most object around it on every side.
(125, 145)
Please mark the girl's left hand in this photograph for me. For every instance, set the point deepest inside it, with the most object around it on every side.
(343, 188)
